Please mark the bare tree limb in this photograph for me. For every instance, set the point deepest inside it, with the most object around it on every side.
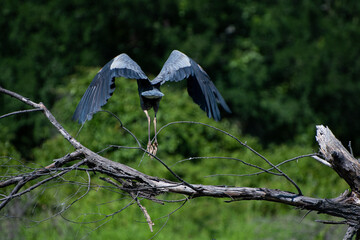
(138, 184)
(339, 158)
(15, 193)
(243, 144)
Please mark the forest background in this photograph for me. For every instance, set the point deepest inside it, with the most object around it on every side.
(282, 66)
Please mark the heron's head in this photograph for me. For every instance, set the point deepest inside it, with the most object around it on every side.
(152, 94)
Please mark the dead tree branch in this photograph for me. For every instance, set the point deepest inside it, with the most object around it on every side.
(339, 158)
(138, 184)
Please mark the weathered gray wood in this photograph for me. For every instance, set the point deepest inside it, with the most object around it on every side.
(346, 206)
(153, 186)
(350, 233)
(340, 159)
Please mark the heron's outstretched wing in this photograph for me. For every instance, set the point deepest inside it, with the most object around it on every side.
(202, 90)
(103, 85)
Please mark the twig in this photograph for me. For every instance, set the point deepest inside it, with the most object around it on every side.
(19, 97)
(167, 218)
(136, 199)
(21, 183)
(331, 222)
(20, 112)
(232, 158)
(243, 144)
(43, 171)
(350, 148)
(266, 170)
(149, 186)
(145, 212)
(152, 155)
(319, 159)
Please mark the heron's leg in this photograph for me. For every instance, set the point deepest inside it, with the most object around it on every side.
(155, 144)
(149, 147)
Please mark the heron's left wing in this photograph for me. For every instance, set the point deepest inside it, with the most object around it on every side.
(202, 90)
(103, 85)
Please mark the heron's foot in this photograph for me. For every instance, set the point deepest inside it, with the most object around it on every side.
(149, 147)
(152, 148)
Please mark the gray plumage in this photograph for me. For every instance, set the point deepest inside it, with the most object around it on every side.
(177, 67)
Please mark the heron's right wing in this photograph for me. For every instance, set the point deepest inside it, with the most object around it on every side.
(103, 85)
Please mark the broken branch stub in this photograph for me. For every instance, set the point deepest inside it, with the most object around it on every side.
(346, 166)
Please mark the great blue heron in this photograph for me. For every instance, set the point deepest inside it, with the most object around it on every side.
(176, 68)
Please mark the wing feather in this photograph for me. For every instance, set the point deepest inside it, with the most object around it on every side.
(102, 86)
(201, 89)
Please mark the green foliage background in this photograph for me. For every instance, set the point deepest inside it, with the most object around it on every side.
(283, 66)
